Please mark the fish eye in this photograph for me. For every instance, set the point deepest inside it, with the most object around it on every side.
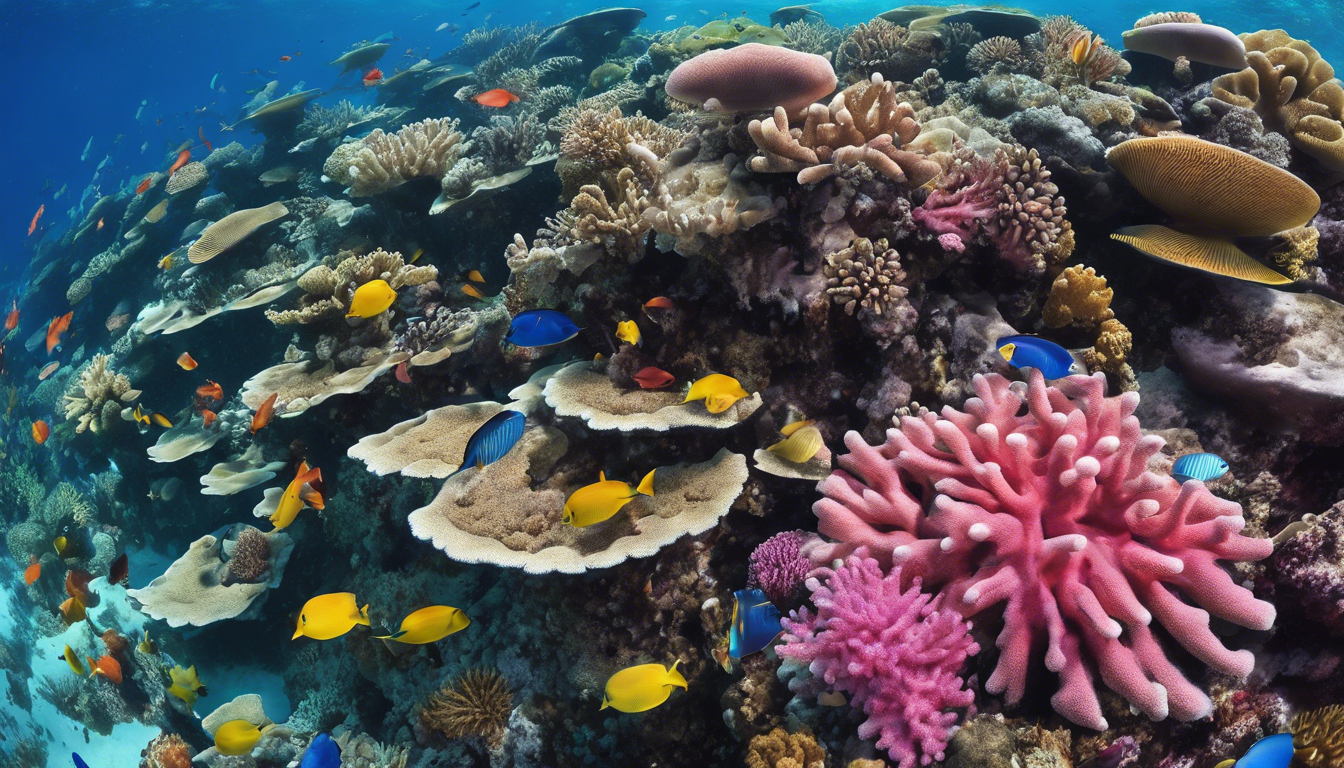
(303, 618)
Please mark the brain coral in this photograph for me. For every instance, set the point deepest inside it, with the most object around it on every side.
(1053, 514)
(752, 78)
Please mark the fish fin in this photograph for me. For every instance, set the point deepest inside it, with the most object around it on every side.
(298, 632)
(364, 614)
(1006, 351)
(601, 476)
(646, 485)
(93, 665)
(312, 498)
(394, 636)
(675, 678)
(1226, 764)
(605, 704)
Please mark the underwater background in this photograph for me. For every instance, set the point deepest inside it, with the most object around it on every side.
(688, 385)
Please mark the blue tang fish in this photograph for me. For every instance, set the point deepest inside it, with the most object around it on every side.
(1205, 467)
(79, 761)
(322, 753)
(493, 439)
(1273, 752)
(541, 328)
(755, 623)
(1052, 360)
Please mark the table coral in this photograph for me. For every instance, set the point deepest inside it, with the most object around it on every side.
(1053, 514)
(895, 652)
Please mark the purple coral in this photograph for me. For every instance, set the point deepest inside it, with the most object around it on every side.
(1053, 514)
(893, 651)
(778, 567)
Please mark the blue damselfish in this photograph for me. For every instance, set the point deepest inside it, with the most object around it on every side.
(1052, 360)
(755, 623)
(1272, 752)
(1205, 467)
(493, 439)
(541, 328)
(323, 752)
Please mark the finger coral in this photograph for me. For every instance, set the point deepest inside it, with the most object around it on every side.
(1053, 514)
(893, 650)
(867, 275)
(475, 705)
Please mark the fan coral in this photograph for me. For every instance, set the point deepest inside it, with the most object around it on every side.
(863, 124)
(777, 567)
(1318, 737)
(1054, 514)
(894, 650)
(890, 49)
(476, 704)
(381, 161)
(251, 557)
(96, 399)
(868, 275)
(167, 750)
(781, 749)
(997, 54)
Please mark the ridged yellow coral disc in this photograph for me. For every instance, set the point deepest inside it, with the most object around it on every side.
(1214, 189)
(230, 230)
(1207, 254)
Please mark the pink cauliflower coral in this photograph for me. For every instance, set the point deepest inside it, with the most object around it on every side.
(1052, 514)
(892, 650)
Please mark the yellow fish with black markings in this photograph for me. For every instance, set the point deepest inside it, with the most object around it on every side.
(599, 501)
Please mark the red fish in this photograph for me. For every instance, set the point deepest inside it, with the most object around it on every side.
(120, 570)
(41, 431)
(653, 378)
(403, 375)
(201, 134)
(373, 76)
(496, 98)
(264, 413)
(210, 390)
(145, 184)
(208, 417)
(285, 58)
(77, 586)
(12, 321)
(33, 572)
(107, 667)
(658, 302)
(186, 362)
(183, 158)
(41, 209)
(58, 327)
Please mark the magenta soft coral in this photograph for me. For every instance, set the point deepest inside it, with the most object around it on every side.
(1052, 514)
(891, 649)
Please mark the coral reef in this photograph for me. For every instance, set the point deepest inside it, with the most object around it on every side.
(477, 704)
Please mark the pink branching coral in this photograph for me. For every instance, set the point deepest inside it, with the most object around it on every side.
(893, 651)
(1053, 514)
(778, 567)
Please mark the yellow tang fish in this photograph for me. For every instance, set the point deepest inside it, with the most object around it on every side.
(598, 501)
(800, 446)
(628, 332)
(718, 391)
(61, 544)
(641, 688)
(186, 685)
(140, 417)
(160, 420)
(295, 498)
(238, 737)
(794, 426)
(429, 625)
(371, 299)
(329, 616)
(72, 659)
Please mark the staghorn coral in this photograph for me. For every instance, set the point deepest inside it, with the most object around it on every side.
(250, 558)
(781, 749)
(595, 144)
(816, 37)
(880, 47)
(867, 275)
(67, 504)
(96, 399)
(509, 142)
(897, 654)
(475, 705)
(1294, 92)
(480, 42)
(617, 224)
(863, 124)
(1054, 514)
(996, 54)
(437, 330)
(382, 161)
(328, 123)
(1318, 737)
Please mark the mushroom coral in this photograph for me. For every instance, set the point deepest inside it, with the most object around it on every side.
(1053, 514)
(1293, 90)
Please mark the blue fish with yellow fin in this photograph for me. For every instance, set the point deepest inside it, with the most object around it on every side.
(493, 439)
(1205, 467)
(1052, 360)
(1272, 752)
(323, 752)
(540, 328)
(755, 623)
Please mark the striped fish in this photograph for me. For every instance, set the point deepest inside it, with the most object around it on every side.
(493, 439)
(1205, 467)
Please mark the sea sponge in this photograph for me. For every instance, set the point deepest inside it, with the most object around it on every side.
(167, 750)
(381, 161)
(752, 78)
(1293, 90)
(778, 567)
(477, 704)
(195, 589)
(996, 54)
(1079, 296)
(781, 749)
(251, 557)
(231, 230)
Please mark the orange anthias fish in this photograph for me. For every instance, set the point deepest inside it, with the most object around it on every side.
(58, 327)
(12, 321)
(41, 209)
(145, 184)
(658, 302)
(77, 586)
(183, 158)
(653, 378)
(285, 58)
(303, 490)
(496, 98)
(208, 417)
(186, 362)
(99, 228)
(41, 431)
(72, 611)
(472, 291)
(373, 77)
(211, 390)
(201, 134)
(33, 572)
(107, 667)
(120, 570)
(263, 415)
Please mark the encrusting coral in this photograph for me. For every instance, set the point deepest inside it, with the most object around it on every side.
(475, 705)
(1084, 540)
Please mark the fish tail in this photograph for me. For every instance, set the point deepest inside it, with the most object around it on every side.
(605, 704)
(674, 677)
(646, 485)
(93, 665)
(364, 615)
